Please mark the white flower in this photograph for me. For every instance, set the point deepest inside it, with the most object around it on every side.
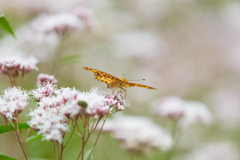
(172, 107)
(138, 44)
(15, 65)
(96, 102)
(56, 106)
(187, 112)
(87, 15)
(195, 112)
(43, 91)
(138, 133)
(215, 151)
(13, 101)
(60, 22)
(43, 79)
(49, 123)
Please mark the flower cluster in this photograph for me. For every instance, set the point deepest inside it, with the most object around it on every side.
(214, 151)
(56, 107)
(188, 112)
(138, 133)
(87, 15)
(12, 102)
(43, 79)
(14, 66)
(80, 18)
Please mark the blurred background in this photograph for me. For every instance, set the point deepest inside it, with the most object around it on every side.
(184, 48)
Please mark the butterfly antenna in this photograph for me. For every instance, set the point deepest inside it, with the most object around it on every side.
(124, 76)
(136, 80)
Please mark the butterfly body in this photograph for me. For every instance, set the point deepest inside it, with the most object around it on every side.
(114, 82)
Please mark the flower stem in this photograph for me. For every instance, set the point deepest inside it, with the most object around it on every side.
(98, 135)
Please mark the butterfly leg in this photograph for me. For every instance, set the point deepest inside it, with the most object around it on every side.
(113, 91)
(124, 90)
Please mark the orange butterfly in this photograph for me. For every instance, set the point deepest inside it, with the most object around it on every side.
(114, 82)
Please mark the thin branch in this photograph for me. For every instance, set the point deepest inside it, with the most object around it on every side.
(10, 130)
(54, 148)
(99, 134)
(19, 140)
(74, 127)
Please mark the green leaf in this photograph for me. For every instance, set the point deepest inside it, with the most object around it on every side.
(5, 25)
(75, 58)
(87, 154)
(33, 98)
(2, 157)
(4, 129)
(33, 138)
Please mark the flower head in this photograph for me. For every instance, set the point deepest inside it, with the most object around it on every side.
(12, 102)
(43, 79)
(43, 91)
(187, 112)
(138, 133)
(57, 106)
(13, 66)
(215, 151)
(172, 107)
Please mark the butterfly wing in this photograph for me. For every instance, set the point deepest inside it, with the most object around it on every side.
(104, 77)
(129, 84)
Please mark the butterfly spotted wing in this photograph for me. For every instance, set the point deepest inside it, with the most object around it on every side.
(129, 84)
(114, 82)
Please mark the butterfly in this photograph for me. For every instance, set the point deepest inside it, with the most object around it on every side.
(114, 82)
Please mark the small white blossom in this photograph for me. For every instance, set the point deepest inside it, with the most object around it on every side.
(13, 101)
(138, 133)
(14, 65)
(215, 151)
(187, 112)
(43, 79)
(43, 91)
(49, 123)
(57, 106)
(172, 107)
(87, 15)
(59, 23)
(195, 112)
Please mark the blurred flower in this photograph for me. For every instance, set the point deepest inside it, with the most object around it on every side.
(172, 107)
(88, 16)
(43, 79)
(230, 14)
(14, 66)
(187, 112)
(226, 108)
(195, 112)
(41, 36)
(138, 44)
(59, 23)
(215, 151)
(12, 102)
(138, 133)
